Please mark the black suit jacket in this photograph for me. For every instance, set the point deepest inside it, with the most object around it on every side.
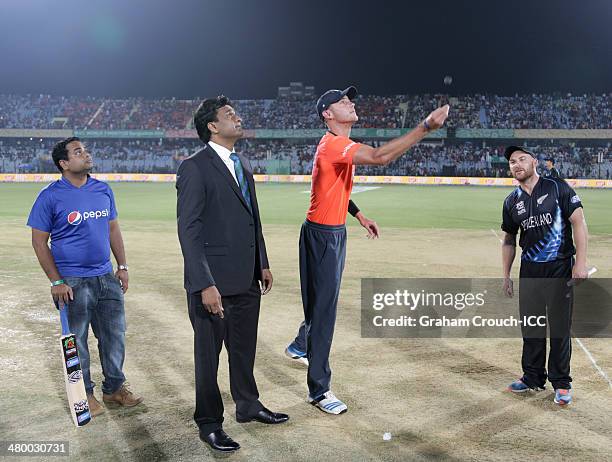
(221, 241)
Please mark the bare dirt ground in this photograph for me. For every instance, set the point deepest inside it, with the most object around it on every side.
(441, 399)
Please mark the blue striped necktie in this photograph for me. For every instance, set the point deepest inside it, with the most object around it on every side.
(242, 182)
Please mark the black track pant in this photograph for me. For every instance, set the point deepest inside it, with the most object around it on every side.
(544, 291)
(322, 255)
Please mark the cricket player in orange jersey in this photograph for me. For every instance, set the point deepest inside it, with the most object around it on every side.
(323, 234)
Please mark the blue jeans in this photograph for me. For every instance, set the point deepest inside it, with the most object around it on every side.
(98, 301)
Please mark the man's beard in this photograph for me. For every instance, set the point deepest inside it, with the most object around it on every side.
(525, 175)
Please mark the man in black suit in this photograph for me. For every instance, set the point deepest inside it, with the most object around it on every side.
(226, 269)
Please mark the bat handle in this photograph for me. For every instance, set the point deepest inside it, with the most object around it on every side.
(64, 318)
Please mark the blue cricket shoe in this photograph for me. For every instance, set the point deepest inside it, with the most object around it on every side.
(563, 396)
(294, 353)
(518, 386)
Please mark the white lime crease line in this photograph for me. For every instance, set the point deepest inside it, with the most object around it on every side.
(359, 189)
(590, 356)
(496, 235)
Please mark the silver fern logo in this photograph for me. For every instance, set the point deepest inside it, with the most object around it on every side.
(541, 199)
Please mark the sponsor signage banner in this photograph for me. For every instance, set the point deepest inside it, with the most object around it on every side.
(484, 133)
(356, 133)
(518, 133)
(359, 179)
(119, 133)
(181, 133)
(315, 133)
(563, 134)
(34, 133)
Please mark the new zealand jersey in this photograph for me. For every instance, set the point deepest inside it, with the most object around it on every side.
(78, 221)
(543, 218)
(552, 173)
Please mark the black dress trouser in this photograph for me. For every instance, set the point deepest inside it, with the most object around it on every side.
(238, 329)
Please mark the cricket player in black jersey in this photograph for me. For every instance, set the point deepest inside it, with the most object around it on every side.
(546, 210)
(550, 170)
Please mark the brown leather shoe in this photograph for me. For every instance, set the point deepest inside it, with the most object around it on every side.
(122, 397)
(95, 407)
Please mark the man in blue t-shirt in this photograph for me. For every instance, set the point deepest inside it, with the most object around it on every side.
(78, 213)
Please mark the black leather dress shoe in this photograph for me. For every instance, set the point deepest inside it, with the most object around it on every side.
(265, 416)
(220, 441)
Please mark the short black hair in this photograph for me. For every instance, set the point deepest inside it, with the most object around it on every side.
(206, 113)
(60, 151)
(551, 160)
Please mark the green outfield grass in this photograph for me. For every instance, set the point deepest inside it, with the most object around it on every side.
(397, 206)
(442, 399)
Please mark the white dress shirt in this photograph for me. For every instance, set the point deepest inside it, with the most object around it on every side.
(224, 154)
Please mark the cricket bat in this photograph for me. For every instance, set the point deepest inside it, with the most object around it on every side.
(73, 375)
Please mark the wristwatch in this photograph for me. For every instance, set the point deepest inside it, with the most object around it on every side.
(122, 267)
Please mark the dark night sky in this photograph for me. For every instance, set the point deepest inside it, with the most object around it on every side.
(247, 48)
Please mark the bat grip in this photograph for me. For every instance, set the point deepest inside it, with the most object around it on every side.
(64, 318)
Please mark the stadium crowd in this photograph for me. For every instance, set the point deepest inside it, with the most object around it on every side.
(163, 155)
(296, 157)
(472, 111)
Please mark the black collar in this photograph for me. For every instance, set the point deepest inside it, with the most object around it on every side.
(534, 187)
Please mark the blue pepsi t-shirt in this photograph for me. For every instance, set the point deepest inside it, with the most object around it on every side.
(78, 221)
